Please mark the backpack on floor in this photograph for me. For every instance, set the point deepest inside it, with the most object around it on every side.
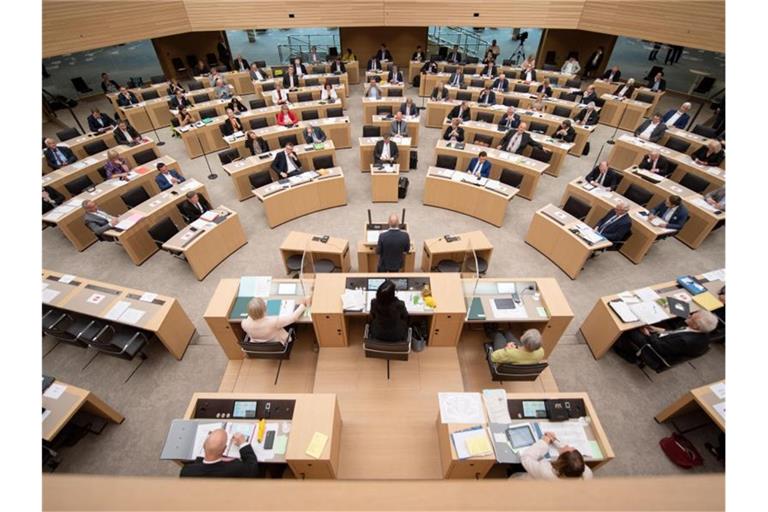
(402, 187)
(681, 451)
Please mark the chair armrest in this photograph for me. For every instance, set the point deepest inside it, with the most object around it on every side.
(58, 321)
(102, 331)
(83, 331)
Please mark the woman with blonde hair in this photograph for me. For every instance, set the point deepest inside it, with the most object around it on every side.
(261, 328)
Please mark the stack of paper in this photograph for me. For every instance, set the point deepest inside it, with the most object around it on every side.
(496, 405)
(316, 445)
(472, 442)
(718, 389)
(715, 275)
(353, 300)
(571, 433)
(129, 221)
(372, 237)
(707, 301)
(649, 312)
(255, 286)
(461, 408)
(647, 294)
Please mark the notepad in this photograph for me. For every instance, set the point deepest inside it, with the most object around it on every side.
(281, 443)
(286, 289)
(316, 445)
(707, 301)
(479, 445)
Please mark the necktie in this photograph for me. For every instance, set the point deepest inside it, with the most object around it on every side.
(608, 223)
(59, 156)
(477, 167)
(512, 141)
(601, 179)
(200, 207)
(279, 95)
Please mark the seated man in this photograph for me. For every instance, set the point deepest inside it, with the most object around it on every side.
(655, 163)
(565, 132)
(487, 96)
(51, 199)
(126, 98)
(506, 349)
(429, 67)
(240, 63)
(651, 129)
(98, 122)
(408, 108)
(194, 206)
(395, 76)
(338, 67)
(480, 166)
(374, 65)
(398, 126)
(501, 84)
(712, 154)
(167, 177)
(515, 141)
(287, 163)
(258, 74)
(510, 120)
(385, 151)
(223, 91)
(587, 116)
(625, 90)
(716, 198)
(126, 134)
(215, 464)
(313, 135)
(657, 83)
(373, 90)
(179, 100)
(457, 78)
(545, 87)
(616, 223)
(590, 95)
(439, 93)
(677, 117)
(58, 156)
(602, 176)
(671, 212)
(461, 111)
(454, 133)
(97, 220)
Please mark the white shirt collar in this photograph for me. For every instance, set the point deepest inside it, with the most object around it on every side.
(213, 461)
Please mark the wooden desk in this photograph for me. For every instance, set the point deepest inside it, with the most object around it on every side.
(148, 115)
(72, 400)
(239, 80)
(206, 248)
(281, 205)
(530, 169)
(625, 113)
(370, 105)
(368, 144)
(647, 91)
(443, 189)
(308, 80)
(163, 316)
(384, 183)
(605, 87)
(478, 467)
(240, 170)
(368, 260)
(334, 249)
(316, 91)
(554, 240)
(698, 398)
(77, 144)
(387, 89)
(337, 129)
(695, 141)
(438, 249)
(603, 327)
(313, 412)
(412, 122)
(161, 89)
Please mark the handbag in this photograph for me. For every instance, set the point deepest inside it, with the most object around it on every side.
(681, 451)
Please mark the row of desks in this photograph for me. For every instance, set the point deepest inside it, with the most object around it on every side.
(512, 72)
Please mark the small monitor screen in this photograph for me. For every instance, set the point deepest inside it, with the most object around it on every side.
(520, 436)
(534, 409)
(400, 284)
(373, 284)
(244, 409)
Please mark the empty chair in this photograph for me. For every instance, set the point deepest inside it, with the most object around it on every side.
(269, 350)
(481, 267)
(333, 80)
(389, 350)
(577, 207)
(638, 195)
(200, 98)
(309, 114)
(324, 266)
(304, 96)
(695, 183)
(228, 156)
(293, 264)
(260, 63)
(704, 131)
(259, 179)
(512, 74)
(384, 109)
(570, 96)
(395, 92)
(211, 59)
(95, 147)
(574, 83)
(370, 130)
(77, 185)
(56, 324)
(677, 145)
(259, 122)
(178, 65)
(562, 111)
(643, 97)
(507, 62)
(267, 87)
(511, 102)
(83, 328)
(446, 161)
(511, 178)
(122, 342)
(163, 231)
(512, 372)
(477, 82)
(485, 117)
(322, 162)
(522, 88)
(448, 266)
(483, 140)
(469, 70)
(145, 156)
(102, 172)
(537, 127)
(67, 134)
(149, 94)
(157, 79)
(335, 112)
(599, 102)
(135, 197)
(541, 154)
(464, 96)
(285, 139)
(260, 103)
(450, 68)
(311, 82)
(208, 113)
(195, 85)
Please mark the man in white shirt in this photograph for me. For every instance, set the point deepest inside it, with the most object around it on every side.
(671, 119)
(399, 127)
(313, 56)
(373, 90)
(571, 66)
(279, 96)
(625, 91)
(652, 129)
(97, 220)
(385, 151)
(256, 73)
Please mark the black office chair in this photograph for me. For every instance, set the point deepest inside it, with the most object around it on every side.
(211, 60)
(311, 82)
(178, 65)
(577, 207)
(285, 139)
(535, 126)
(477, 82)
(149, 94)
(464, 96)
(599, 102)
(483, 140)
(561, 111)
(259, 179)
(511, 102)
(678, 145)
(333, 80)
(260, 63)
(481, 267)
(76, 186)
(135, 197)
(259, 122)
(309, 114)
(67, 134)
(568, 96)
(269, 350)
(574, 83)
(541, 154)
(120, 341)
(293, 264)
(228, 156)
(704, 131)
(446, 161)
(324, 266)
(200, 98)
(618, 244)
(157, 79)
(191, 61)
(304, 96)
(142, 157)
(507, 62)
(389, 350)
(511, 74)
(395, 92)
(208, 113)
(55, 324)
(513, 372)
(102, 172)
(638, 195)
(370, 130)
(95, 147)
(195, 85)
(694, 182)
(384, 110)
(162, 231)
(450, 68)
(267, 87)
(485, 117)
(335, 112)
(522, 88)
(448, 266)
(469, 70)
(375, 78)
(644, 98)
(511, 178)
(260, 103)
(322, 162)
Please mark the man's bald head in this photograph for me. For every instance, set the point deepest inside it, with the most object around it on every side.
(215, 444)
(394, 221)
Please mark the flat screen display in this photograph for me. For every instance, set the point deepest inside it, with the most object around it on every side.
(244, 409)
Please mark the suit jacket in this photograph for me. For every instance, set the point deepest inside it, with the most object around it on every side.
(190, 212)
(55, 197)
(593, 117)
(401, 129)
(617, 229)
(454, 57)
(120, 138)
(485, 169)
(176, 104)
(383, 54)
(459, 131)
(628, 94)
(662, 165)
(455, 113)
(679, 346)
(280, 164)
(257, 146)
(546, 90)
(523, 75)
(241, 63)
(93, 122)
(681, 121)
(419, 56)
(392, 78)
(287, 81)
(439, 95)
(261, 72)
(236, 105)
(393, 244)
(610, 181)
(414, 109)
(657, 132)
(678, 218)
(163, 183)
(504, 84)
(389, 324)
(68, 155)
(713, 160)
(662, 84)
(607, 75)
(279, 117)
(379, 147)
(246, 467)
(453, 78)
(105, 85)
(228, 129)
(338, 67)
(589, 63)
(507, 124)
(586, 98)
(525, 141)
(96, 223)
(124, 102)
(570, 135)
(369, 67)
(485, 71)
(491, 98)
(301, 67)
(319, 133)
(429, 67)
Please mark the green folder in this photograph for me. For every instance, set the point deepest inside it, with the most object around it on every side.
(273, 307)
(476, 310)
(240, 309)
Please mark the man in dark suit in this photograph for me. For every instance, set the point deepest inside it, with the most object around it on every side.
(545, 87)
(454, 56)
(126, 134)
(613, 74)
(51, 199)
(589, 95)
(167, 177)
(299, 68)
(286, 162)
(487, 96)
(398, 126)
(374, 64)
(408, 108)
(565, 132)
(671, 212)
(58, 156)
(625, 90)
(457, 78)
(655, 163)
(594, 61)
(97, 220)
(338, 67)
(602, 176)
(418, 55)
(385, 151)
(383, 53)
(194, 206)
(461, 111)
(215, 464)
(240, 63)
(616, 223)
(429, 67)
(392, 247)
(108, 85)
(98, 122)
(651, 129)
(509, 120)
(677, 117)
(587, 116)
(395, 76)
(489, 70)
(501, 84)
(454, 133)
(290, 80)
(480, 166)
(126, 98)
(179, 100)
(232, 124)
(515, 141)
(658, 83)
(313, 135)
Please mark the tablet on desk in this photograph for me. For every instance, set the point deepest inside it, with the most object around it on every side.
(520, 436)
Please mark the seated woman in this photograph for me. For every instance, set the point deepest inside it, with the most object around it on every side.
(388, 317)
(328, 93)
(174, 86)
(569, 464)
(261, 328)
(286, 117)
(184, 117)
(527, 351)
(255, 144)
(236, 105)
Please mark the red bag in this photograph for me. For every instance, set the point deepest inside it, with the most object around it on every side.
(681, 451)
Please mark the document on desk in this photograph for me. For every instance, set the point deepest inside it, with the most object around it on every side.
(649, 312)
(507, 309)
(55, 390)
(66, 278)
(286, 289)
(148, 297)
(507, 288)
(372, 236)
(461, 408)
(622, 309)
(629, 297)
(316, 445)
(496, 405)
(715, 275)
(118, 310)
(719, 390)
(131, 316)
(246, 429)
(353, 300)
(255, 286)
(472, 442)
(129, 221)
(571, 433)
(203, 429)
(720, 408)
(647, 294)
(49, 294)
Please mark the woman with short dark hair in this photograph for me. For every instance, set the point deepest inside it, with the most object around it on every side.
(388, 317)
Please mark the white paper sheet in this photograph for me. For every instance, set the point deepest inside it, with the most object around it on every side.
(720, 408)
(372, 237)
(518, 312)
(570, 433)
(461, 408)
(286, 289)
(255, 286)
(49, 294)
(131, 316)
(496, 405)
(719, 390)
(117, 310)
(353, 300)
(460, 441)
(629, 298)
(55, 390)
(649, 312)
(715, 275)
(66, 278)
(507, 287)
(148, 297)
(622, 309)
(647, 294)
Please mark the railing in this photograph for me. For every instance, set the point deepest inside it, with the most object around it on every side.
(299, 46)
(469, 43)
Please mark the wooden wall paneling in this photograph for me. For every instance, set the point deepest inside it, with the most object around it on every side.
(563, 41)
(181, 45)
(366, 41)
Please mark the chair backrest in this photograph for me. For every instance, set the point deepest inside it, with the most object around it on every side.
(268, 349)
(259, 179)
(375, 78)
(573, 83)
(506, 62)
(67, 133)
(541, 154)
(395, 92)
(392, 350)
(268, 86)
(518, 372)
(145, 156)
(512, 74)
(94, 147)
(135, 197)
(195, 85)
(485, 117)
(464, 96)
(446, 161)
(335, 112)
(704, 131)
(322, 162)
(577, 207)
(483, 140)
(468, 70)
(149, 94)
(383, 109)
(450, 68)
(200, 98)
(309, 114)
(157, 79)
(229, 155)
(333, 80)
(638, 195)
(535, 126)
(511, 102)
(260, 103)
(259, 122)
(695, 183)
(211, 58)
(79, 184)
(370, 130)
(260, 63)
(163, 230)
(522, 88)
(678, 145)
(571, 96)
(208, 113)
(285, 139)
(304, 96)
(311, 82)
(599, 102)
(562, 111)
(477, 82)
(645, 98)
(178, 64)
(511, 178)
(102, 172)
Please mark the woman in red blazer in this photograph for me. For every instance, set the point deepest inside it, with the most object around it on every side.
(285, 117)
